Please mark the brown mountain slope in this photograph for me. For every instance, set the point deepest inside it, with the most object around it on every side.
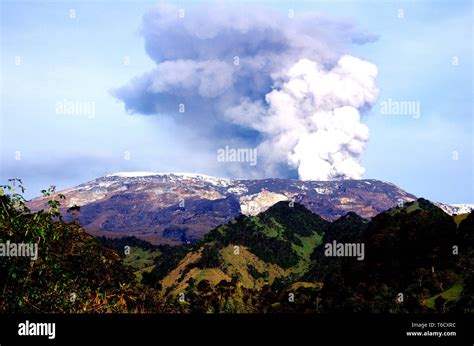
(176, 208)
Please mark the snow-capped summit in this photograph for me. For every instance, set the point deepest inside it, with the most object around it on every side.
(179, 207)
(182, 176)
(457, 209)
(131, 174)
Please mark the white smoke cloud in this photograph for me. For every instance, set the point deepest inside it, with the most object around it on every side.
(312, 119)
(293, 88)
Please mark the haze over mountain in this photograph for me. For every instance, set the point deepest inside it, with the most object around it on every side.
(181, 207)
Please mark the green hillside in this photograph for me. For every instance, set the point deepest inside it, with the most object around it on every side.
(408, 250)
(256, 250)
(268, 263)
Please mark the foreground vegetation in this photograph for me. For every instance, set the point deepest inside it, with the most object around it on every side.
(272, 262)
(73, 272)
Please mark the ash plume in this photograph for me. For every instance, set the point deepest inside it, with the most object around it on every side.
(251, 76)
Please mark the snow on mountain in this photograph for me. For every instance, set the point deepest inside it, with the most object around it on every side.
(131, 174)
(178, 207)
(457, 209)
(173, 176)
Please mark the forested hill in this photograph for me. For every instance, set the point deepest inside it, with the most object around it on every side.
(414, 255)
(416, 258)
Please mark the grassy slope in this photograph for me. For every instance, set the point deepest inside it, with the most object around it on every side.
(409, 208)
(231, 264)
(305, 251)
(459, 218)
(173, 278)
(303, 284)
(450, 294)
(277, 228)
(245, 263)
(141, 260)
(239, 264)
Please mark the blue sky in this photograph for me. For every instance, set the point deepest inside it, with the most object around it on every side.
(83, 59)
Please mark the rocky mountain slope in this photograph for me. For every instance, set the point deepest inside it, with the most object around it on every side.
(178, 207)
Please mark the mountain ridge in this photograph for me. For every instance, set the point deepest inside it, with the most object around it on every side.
(177, 208)
(282, 251)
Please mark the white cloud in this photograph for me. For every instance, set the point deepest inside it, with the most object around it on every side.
(312, 120)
